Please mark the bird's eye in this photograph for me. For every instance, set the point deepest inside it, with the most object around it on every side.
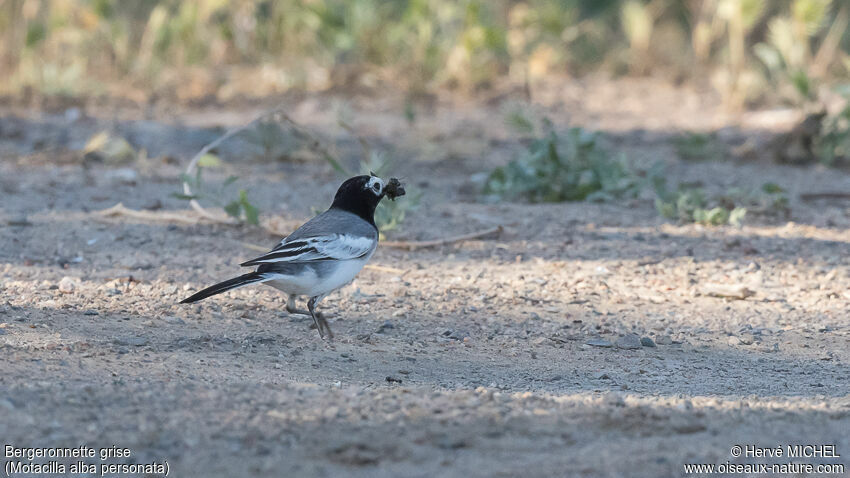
(376, 187)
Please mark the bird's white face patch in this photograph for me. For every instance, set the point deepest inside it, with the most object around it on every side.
(376, 185)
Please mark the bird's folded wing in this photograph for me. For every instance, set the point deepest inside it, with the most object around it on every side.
(318, 248)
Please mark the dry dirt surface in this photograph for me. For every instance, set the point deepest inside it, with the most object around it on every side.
(580, 342)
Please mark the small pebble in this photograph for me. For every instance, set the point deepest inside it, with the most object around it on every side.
(451, 443)
(67, 285)
(647, 342)
(391, 379)
(19, 221)
(543, 341)
(458, 334)
(664, 340)
(597, 342)
(134, 341)
(629, 341)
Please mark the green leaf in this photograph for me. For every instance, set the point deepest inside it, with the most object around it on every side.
(736, 217)
(230, 180)
(666, 209)
(519, 122)
(718, 216)
(185, 178)
(802, 83)
(772, 188)
(811, 13)
(251, 212)
(698, 146)
(409, 112)
(751, 11)
(96, 142)
(36, 32)
(233, 209)
(187, 197)
(209, 160)
(768, 55)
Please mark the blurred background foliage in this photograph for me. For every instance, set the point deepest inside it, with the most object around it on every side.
(749, 50)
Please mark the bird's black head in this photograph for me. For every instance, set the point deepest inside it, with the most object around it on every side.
(360, 195)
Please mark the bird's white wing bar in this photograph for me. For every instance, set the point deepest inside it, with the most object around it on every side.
(319, 248)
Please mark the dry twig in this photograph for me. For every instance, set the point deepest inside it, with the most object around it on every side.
(728, 291)
(413, 245)
(276, 114)
(827, 195)
(121, 210)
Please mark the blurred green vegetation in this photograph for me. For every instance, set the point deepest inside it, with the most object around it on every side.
(562, 167)
(576, 166)
(196, 48)
(691, 204)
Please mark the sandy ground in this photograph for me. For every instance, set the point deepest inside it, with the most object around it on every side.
(507, 356)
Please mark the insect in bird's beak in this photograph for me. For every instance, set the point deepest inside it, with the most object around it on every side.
(394, 189)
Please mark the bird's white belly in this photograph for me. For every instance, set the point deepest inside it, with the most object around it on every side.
(311, 284)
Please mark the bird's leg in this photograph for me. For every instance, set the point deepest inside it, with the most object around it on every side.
(292, 309)
(318, 318)
(311, 304)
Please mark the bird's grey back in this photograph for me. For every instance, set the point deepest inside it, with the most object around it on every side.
(334, 221)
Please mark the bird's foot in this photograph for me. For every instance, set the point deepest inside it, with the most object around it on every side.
(297, 311)
(319, 319)
(324, 323)
(292, 309)
(321, 324)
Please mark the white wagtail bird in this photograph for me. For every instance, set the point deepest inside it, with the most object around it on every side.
(325, 253)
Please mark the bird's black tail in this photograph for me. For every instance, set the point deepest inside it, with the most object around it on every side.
(225, 286)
